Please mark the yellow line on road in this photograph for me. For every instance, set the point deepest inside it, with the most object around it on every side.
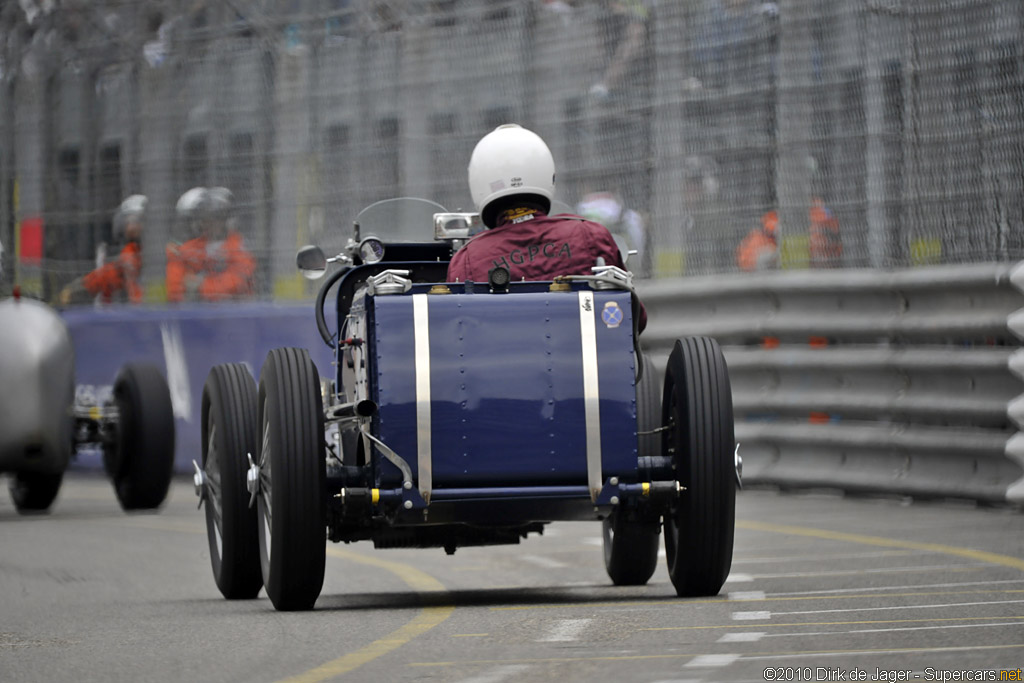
(979, 555)
(732, 601)
(428, 618)
(752, 655)
(769, 624)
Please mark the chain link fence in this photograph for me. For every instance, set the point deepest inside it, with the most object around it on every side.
(881, 133)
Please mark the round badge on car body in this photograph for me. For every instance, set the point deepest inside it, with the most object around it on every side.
(611, 314)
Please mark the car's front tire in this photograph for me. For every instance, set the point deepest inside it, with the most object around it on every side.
(34, 492)
(700, 524)
(141, 461)
(291, 504)
(230, 431)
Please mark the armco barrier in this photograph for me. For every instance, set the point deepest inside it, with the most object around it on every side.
(897, 382)
(901, 382)
(185, 342)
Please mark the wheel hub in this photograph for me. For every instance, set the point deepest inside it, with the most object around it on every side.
(739, 466)
(252, 480)
(199, 481)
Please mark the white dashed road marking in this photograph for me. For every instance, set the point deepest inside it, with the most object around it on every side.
(751, 616)
(746, 595)
(742, 637)
(542, 561)
(497, 674)
(711, 661)
(565, 630)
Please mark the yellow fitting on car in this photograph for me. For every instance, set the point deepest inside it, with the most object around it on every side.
(375, 496)
(646, 486)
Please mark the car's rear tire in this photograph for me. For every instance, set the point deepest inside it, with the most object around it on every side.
(141, 461)
(291, 503)
(34, 492)
(700, 524)
(229, 436)
(630, 549)
(631, 545)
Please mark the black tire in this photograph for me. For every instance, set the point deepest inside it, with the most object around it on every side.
(631, 545)
(34, 492)
(141, 460)
(229, 435)
(630, 549)
(700, 524)
(292, 526)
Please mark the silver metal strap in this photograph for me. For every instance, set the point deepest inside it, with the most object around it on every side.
(421, 327)
(591, 393)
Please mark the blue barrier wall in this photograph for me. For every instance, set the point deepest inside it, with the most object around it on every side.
(185, 342)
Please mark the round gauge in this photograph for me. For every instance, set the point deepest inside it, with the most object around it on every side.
(371, 250)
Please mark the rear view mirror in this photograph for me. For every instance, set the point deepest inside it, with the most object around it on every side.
(456, 226)
(311, 262)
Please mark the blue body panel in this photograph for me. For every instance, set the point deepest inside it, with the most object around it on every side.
(506, 387)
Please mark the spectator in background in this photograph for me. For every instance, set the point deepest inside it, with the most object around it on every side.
(115, 279)
(825, 245)
(624, 25)
(759, 249)
(734, 42)
(213, 263)
(625, 224)
(622, 96)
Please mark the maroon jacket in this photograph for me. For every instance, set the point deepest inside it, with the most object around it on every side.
(538, 248)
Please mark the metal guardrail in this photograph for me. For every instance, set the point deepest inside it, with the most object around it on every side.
(901, 382)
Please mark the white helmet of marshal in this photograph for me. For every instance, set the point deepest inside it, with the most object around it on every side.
(189, 202)
(187, 213)
(131, 212)
(510, 161)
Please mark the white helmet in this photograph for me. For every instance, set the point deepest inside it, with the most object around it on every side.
(217, 203)
(189, 202)
(187, 209)
(134, 205)
(131, 210)
(510, 161)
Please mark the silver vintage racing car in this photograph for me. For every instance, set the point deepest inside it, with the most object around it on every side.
(43, 423)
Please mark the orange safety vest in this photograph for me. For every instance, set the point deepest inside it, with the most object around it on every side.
(224, 270)
(117, 276)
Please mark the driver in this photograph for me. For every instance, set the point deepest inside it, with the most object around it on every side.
(512, 182)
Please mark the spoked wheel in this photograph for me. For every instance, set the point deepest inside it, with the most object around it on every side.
(699, 526)
(631, 544)
(141, 460)
(34, 492)
(230, 431)
(292, 467)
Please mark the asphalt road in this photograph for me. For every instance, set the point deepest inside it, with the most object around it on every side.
(822, 588)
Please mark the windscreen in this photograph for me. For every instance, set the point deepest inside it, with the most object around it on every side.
(405, 219)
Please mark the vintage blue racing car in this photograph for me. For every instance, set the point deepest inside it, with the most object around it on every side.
(465, 414)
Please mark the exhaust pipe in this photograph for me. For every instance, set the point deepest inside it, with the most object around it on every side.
(364, 408)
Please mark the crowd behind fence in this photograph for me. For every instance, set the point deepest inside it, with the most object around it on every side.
(881, 133)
